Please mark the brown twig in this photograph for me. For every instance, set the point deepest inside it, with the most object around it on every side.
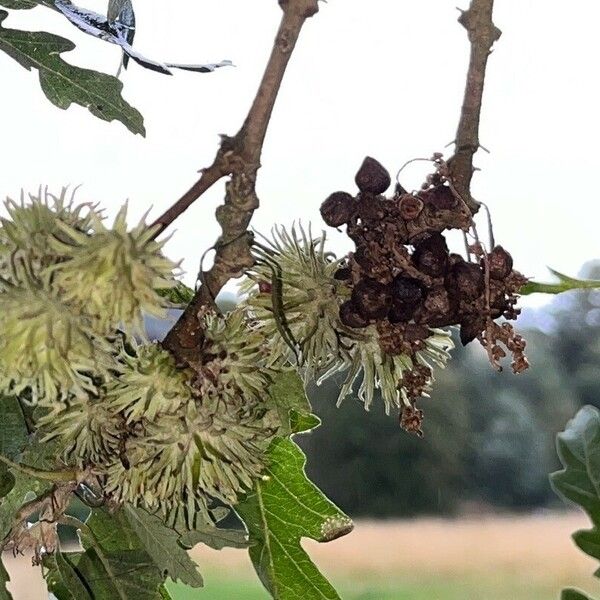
(208, 178)
(482, 32)
(238, 156)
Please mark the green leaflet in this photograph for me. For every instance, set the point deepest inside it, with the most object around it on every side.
(63, 83)
(4, 579)
(579, 451)
(36, 456)
(565, 284)
(20, 4)
(114, 566)
(282, 509)
(205, 531)
(572, 594)
(291, 404)
(161, 543)
(13, 439)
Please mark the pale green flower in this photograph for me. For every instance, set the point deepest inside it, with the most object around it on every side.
(207, 450)
(303, 297)
(148, 384)
(113, 274)
(43, 343)
(377, 370)
(34, 221)
(234, 359)
(301, 304)
(87, 431)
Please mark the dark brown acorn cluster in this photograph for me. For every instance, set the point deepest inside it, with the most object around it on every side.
(403, 277)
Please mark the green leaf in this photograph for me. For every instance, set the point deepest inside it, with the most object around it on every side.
(37, 456)
(13, 439)
(54, 581)
(115, 564)
(161, 543)
(19, 4)
(164, 593)
(64, 83)
(115, 7)
(4, 579)
(7, 480)
(565, 284)
(13, 429)
(71, 579)
(206, 532)
(288, 398)
(282, 509)
(579, 452)
(301, 422)
(572, 594)
(127, 575)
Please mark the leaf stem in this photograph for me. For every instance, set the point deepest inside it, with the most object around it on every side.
(53, 476)
(77, 524)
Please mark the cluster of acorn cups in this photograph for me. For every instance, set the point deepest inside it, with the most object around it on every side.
(402, 276)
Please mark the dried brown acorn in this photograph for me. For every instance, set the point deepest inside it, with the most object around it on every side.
(338, 209)
(500, 263)
(410, 207)
(431, 255)
(407, 296)
(467, 279)
(350, 316)
(440, 197)
(373, 177)
(372, 299)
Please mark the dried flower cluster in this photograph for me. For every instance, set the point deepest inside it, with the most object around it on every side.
(404, 281)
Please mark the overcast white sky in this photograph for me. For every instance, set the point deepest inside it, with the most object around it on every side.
(383, 78)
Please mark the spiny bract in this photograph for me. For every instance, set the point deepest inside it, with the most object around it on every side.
(148, 384)
(72, 294)
(374, 369)
(114, 274)
(86, 430)
(205, 450)
(295, 298)
(193, 435)
(32, 223)
(235, 358)
(42, 341)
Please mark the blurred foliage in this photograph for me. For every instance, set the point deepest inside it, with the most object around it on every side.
(579, 451)
(489, 437)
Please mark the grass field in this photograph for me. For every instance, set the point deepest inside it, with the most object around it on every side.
(479, 558)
